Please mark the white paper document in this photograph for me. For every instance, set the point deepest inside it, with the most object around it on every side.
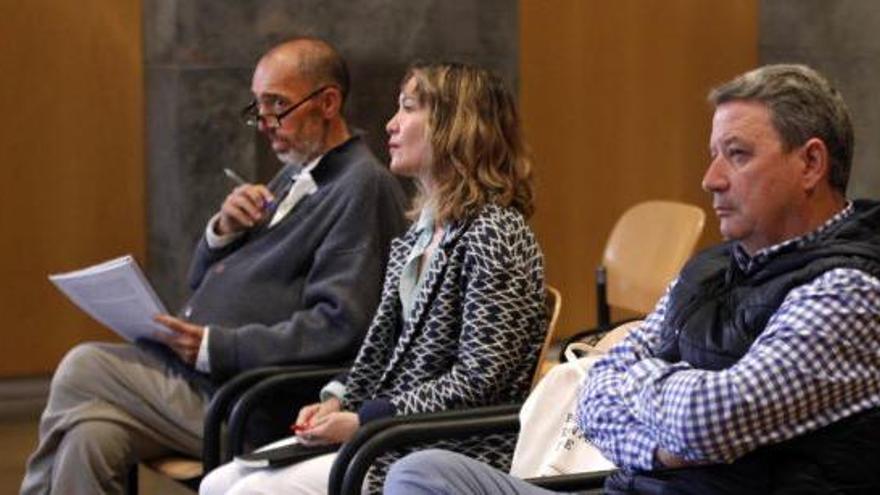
(284, 442)
(117, 294)
(255, 461)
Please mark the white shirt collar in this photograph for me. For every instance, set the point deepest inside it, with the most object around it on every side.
(307, 169)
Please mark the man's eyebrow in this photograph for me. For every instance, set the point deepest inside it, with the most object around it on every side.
(728, 140)
(723, 143)
(270, 97)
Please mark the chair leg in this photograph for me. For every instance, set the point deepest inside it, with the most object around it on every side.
(603, 312)
(131, 481)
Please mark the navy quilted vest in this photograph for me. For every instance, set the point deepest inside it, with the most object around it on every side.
(715, 313)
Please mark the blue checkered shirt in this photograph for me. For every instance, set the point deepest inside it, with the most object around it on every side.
(816, 362)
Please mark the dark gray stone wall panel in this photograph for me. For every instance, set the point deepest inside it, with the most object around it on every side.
(164, 193)
(840, 39)
(826, 27)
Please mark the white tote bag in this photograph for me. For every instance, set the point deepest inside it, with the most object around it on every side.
(550, 443)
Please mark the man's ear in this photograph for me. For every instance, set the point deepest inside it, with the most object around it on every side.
(331, 102)
(817, 165)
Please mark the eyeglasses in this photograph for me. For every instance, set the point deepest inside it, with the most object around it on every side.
(251, 113)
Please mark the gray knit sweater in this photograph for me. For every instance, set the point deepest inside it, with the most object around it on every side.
(305, 290)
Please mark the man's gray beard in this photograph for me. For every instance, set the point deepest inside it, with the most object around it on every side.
(292, 158)
(299, 158)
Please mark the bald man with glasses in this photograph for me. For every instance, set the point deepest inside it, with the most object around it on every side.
(287, 272)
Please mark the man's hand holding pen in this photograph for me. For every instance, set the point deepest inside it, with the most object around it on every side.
(247, 205)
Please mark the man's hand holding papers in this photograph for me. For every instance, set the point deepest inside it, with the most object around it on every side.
(184, 339)
(117, 294)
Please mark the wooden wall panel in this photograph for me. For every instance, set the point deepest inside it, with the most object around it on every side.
(613, 96)
(71, 148)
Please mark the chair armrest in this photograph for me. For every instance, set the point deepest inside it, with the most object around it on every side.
(591, 332)
(302, 384)
(572, 482)
(221, 403)
(377, 437)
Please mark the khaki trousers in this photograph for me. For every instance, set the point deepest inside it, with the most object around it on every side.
(111, 405)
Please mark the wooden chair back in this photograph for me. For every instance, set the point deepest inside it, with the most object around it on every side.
(646, 249)
(553, 303)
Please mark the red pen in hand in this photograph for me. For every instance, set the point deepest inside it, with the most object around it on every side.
(296, 429)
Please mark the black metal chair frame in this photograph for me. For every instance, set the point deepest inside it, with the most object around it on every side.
(370, 441)
(604, 324)
(379, 437)
(234, 403)
(305, 380)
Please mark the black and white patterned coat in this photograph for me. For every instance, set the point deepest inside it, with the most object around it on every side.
(478, 323)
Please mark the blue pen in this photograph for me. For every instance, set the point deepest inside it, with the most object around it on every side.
(240, 181)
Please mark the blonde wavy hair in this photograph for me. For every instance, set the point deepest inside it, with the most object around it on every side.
(479, 154)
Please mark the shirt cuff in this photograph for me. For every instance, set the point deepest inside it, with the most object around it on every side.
(333, 389)
(203, 364)
(217, 241)
(374, 409)
(645, 457)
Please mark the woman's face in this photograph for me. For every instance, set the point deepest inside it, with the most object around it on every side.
(408, 142)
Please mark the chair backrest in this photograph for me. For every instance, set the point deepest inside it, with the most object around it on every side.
(553, 303)
(646, 249)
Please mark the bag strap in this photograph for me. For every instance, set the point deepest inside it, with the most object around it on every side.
(585, 350)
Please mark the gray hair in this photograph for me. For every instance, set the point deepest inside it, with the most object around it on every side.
(803, 105)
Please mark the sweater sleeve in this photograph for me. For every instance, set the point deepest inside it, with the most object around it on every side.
(205, 256)
(811, 366)
(814, 364)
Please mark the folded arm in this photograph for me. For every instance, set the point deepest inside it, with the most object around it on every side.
(603, 413)
(815, 363)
